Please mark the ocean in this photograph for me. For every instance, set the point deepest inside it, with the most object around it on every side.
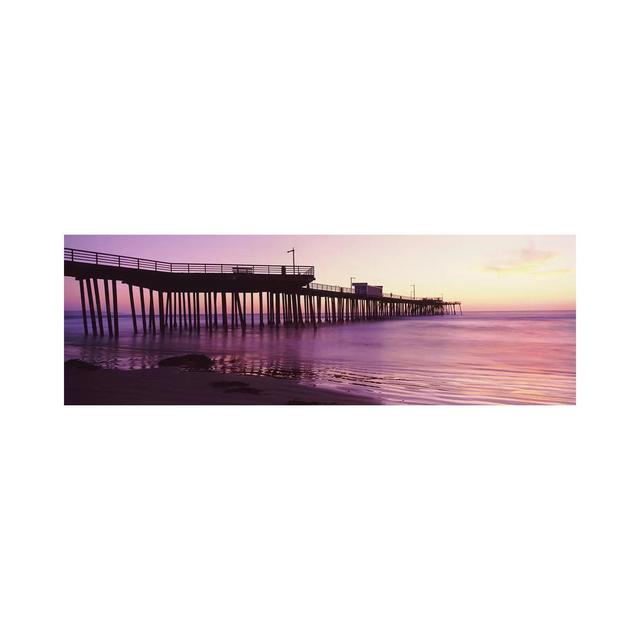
(476, 358)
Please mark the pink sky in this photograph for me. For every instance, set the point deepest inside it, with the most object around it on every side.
(484, 272)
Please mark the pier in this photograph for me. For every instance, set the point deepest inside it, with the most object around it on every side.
(171, 296)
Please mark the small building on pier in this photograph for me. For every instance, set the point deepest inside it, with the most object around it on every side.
(365, 289)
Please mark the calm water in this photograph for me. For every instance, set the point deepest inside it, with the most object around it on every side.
(479, 358)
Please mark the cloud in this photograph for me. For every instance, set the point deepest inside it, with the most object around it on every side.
(532, 261)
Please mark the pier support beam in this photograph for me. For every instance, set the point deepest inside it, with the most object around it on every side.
(161, 310)
(96, 291)
(84, 307)
(116, 322)
(94, 330)
(107, 305)
(241, 311)
(142, 311)
(152, 313)
(312, 311)
(224, 311)
(174, 310)
(244, 308)
(133, 310)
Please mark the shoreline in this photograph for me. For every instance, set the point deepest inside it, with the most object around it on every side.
(177, 386)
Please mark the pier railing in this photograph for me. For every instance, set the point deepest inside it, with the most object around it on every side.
(130, 262)
(331, 287)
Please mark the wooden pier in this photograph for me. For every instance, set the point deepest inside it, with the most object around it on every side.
(195, 296)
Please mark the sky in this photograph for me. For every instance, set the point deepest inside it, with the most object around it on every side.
(484, 272)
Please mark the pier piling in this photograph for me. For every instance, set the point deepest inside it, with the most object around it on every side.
(96, 291)
(84, 307)
(107, 305)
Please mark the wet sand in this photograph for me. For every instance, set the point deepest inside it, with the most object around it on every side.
(171, 386)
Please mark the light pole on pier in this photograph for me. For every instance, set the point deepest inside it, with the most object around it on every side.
(351, 279)
(293, 251)
(414, 291)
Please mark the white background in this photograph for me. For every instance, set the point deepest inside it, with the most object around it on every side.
(333, 117)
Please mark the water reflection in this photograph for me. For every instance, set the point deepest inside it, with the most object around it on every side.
(477, 358)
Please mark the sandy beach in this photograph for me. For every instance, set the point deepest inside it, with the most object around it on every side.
(175, 386)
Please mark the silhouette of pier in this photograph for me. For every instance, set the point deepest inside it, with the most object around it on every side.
(171, 296)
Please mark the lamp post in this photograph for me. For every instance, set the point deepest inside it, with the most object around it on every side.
(414, 291)
(293, 251)
(351, 279)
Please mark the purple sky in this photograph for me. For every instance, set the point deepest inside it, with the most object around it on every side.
(485, 272)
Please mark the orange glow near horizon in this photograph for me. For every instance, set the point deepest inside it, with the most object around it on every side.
(483, 272)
